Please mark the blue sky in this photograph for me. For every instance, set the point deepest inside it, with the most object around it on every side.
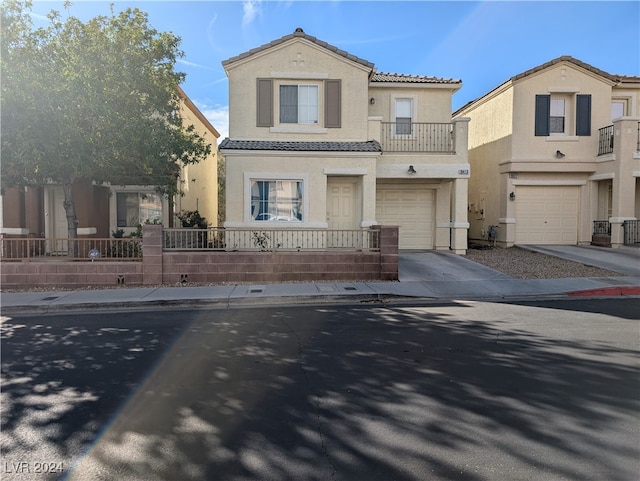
(481, 43)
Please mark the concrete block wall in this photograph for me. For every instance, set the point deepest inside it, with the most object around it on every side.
(159, 267)
(69, 275)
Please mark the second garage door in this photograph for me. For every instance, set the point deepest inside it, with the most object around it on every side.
(411, 208)
(547, 215)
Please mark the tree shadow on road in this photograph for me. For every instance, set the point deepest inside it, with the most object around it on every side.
(323, 393)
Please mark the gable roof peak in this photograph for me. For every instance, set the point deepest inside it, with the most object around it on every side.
(567, 59)
(299, 33)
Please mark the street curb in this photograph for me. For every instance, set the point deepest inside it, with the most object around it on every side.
(607, 292)
(284, 301)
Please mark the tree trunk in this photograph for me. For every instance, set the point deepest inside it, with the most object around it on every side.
(72, 220)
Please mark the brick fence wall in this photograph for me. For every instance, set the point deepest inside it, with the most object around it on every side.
(160, 267)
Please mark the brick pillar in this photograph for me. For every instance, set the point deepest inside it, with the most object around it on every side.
(388, 252)
(152, 254)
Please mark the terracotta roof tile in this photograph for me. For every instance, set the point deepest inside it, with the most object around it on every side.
(404, 78)
(369, 146)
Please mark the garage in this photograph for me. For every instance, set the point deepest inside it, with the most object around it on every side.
(412, 209)
(547, 215)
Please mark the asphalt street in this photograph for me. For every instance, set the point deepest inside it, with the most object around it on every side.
(452, 390)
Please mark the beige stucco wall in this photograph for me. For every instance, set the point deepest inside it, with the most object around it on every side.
(297, 62)
(313, 170)
(199, 182)
(564, 81)
(431, 103)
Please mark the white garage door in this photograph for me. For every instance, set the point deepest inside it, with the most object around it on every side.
(546, 215)
(410, 208)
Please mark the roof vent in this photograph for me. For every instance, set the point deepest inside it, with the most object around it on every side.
(299, 30)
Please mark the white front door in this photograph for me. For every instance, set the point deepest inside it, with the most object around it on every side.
(341, 203)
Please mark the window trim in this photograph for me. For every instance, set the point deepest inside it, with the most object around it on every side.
(413, 99)
(250, 177)
(298, 104)
(133, 189)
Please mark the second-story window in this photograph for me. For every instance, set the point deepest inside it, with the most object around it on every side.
(556, 119)
(404, 113)
(298, 104)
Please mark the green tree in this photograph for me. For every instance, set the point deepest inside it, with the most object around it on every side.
(91, 101)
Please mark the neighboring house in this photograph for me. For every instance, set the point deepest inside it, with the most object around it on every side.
(554, 156)
(102, 209)
(319, 139)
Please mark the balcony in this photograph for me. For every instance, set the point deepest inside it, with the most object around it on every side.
(434, 138)
(605, 140)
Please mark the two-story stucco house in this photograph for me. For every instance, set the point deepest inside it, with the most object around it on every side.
(554, 156)
(319, 139)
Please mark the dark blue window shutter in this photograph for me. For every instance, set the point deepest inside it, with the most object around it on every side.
(583, 115)
(543, 110)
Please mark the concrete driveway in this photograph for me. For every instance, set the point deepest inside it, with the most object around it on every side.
(625, 260)
(420, 266)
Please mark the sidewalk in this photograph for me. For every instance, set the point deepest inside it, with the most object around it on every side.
(450, 277)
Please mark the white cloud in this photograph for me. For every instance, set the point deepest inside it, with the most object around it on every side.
(195, 65)
(251, 9)
(218, 116)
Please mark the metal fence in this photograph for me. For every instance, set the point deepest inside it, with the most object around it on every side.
(601, 227)
(264, 240)
(418, 137)
(98, 249)
(631, 234)
(605, 140)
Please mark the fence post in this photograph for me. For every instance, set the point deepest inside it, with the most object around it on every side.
(388, 252)
(152, 254)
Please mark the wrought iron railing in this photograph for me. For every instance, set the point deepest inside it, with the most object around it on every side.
(631, 233)
(601, 227)
(437, 138)
(605, 140)
(262, 239)
(98, 249)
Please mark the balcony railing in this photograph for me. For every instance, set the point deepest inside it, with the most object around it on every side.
(98, 249)
(269, 240)
(601, 227)
(435, 138)
(605, 140)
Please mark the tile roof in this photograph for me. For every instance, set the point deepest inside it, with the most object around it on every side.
(565, 58)
(369, 146)
(298, 33)
(403, 78)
